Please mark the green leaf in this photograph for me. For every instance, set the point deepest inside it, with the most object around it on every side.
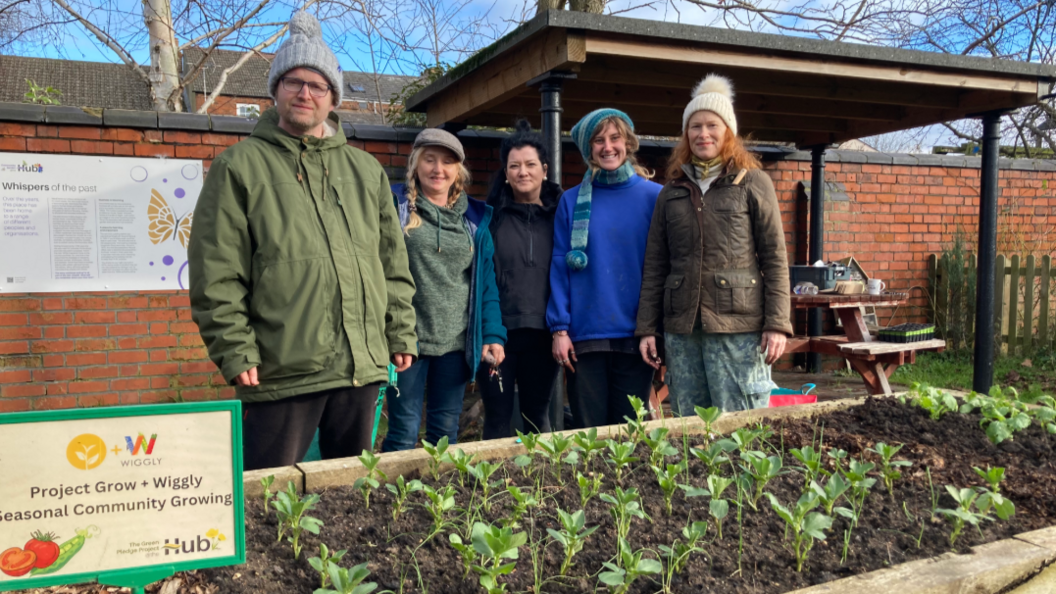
(998, 432)
(649, 566)
(816, 524)
(719, 508)
(612, 578)
(695, 491)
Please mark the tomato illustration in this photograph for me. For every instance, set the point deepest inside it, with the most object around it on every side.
(44, 546)
(15, 562)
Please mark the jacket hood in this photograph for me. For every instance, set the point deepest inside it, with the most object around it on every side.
(268, 129)
(502, 201)
(475, 209)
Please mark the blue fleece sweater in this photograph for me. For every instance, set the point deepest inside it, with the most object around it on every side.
(601, 301)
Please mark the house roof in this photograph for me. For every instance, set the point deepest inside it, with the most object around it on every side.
(83, 84)
(251, 80)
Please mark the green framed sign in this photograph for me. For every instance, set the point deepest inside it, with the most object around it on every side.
(122, 496)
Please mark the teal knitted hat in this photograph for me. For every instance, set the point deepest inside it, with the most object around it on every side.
(582, 132)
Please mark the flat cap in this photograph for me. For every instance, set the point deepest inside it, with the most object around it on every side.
(441, 138)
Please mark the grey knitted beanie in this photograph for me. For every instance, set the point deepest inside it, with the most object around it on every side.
(306, 49)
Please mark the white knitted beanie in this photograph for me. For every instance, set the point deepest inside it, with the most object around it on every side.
(715, 94)
(305, 48)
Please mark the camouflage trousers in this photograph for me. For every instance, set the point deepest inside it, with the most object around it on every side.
(723, 370)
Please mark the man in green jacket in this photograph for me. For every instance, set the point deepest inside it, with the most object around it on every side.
(298, 269)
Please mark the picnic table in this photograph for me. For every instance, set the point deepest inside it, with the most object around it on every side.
(872, 359)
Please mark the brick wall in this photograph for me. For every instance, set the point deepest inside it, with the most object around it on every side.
(228, 105)
(93, 349)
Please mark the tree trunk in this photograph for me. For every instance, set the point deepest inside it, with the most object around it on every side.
(164, 56)
(545, 5)
(591, 6)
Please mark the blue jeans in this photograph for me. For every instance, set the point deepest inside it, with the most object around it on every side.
(446, 375)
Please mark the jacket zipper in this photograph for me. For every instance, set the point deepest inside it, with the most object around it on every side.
(531, 238)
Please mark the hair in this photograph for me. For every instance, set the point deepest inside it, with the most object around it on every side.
(459, 186)
(500, 193)
(733, 154)
(632, 144)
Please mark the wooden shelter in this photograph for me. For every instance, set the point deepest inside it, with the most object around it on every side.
(808, 92)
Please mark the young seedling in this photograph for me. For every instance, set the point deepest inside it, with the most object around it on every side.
(992, 476)
(622, 456)
(888, 467)
(483, 473)
(625, 506)
(440, 502)
(522, 502)
(437, 455)
(857, 474)
(714, 454)
(828, 495)
(462, 462)
(555, 448)
(963, 513)
(635, 428)
(401, 490)
(709, 416)
(935, 401)
(838, 456)
(744, 437)
(718, 507)
(633, 566)
(266, 483)
(811, 460)
(668, 480)
(678, 553)
(495, 544)
(762, 469)
(588, 442)
(348, 581)
(290, 509)
(322, 563)
(659, 447)
(368, 483)
(588, 487)
(806, 526)
(465, 548)
(572, 535)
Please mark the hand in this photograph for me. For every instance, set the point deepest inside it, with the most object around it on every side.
(563, 351)
(402, 361)
(647, 347)
(247, 378)
(496, 353)
(773, 344)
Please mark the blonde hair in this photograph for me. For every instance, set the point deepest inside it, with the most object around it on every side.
(628, 136)
(461, 183)
(733, 153)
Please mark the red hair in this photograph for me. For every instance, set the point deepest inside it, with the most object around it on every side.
(733, 153)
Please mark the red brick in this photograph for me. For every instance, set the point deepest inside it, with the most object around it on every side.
(128, 329)
(95, 317)
(129, 370)
(197, 367)
(86, 359)
(194, 152)
(19, 332)
(182, 137)
(97, 372)
(21, 390)
(53, 304)
(13, 144)
(86, 331)
(191, 340)
(154, 150)
(54, 332)
(92, 147)
(60, 374)
(47, 145)
(158, 301)
(136, 302)
(14, 405)
(160, 382)
(13, 377)
(380, 148)
(119, 357)
(51, 346)
(179, 301)
(96, 344)
(155, 342)
(82, 132)
(94, 400)
(57, 403)
(183, 328)
(57, 388)
(159, 355)
(14, 348)
(17, 129)
(47, 131)
(54, 360)
(124, 148)
(51, 318)
(198, 395)
(133, 383)
(123, 134)
(19, 304)
(126, 316)
(159, 369)
(86, 303)
(88, 387)
(155, 397)
(188, 354)
(220, 139)
(193, 380)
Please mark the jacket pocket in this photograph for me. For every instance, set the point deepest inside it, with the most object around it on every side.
(673, 295)
(524, 291)
(739, 292)
(291, 314)
(728, 200)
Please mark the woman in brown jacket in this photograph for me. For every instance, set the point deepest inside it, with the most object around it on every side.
(715, 284)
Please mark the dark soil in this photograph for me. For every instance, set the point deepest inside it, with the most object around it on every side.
(887, 534)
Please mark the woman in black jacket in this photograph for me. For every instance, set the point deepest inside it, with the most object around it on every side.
(524, 202)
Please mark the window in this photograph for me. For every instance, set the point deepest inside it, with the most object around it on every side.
(248, 110)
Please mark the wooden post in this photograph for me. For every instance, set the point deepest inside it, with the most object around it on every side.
(1043, 316)
(1028, 307)
(1013, 307)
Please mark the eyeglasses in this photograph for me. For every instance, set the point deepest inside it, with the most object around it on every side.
(294, 85)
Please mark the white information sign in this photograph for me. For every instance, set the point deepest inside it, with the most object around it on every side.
(81, 497)
(74, 223)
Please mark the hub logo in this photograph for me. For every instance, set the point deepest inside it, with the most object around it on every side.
(27, 168)
(140, 444)
(210, 541)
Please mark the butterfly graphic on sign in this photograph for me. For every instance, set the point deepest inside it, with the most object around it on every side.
(163, 223)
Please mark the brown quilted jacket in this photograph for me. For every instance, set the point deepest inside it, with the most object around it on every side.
(735, 273)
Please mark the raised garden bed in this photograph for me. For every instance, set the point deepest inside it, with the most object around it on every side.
(754, 555)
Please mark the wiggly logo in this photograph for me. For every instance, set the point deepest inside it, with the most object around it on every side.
(86, 451)
(140, 444)
(34, 168)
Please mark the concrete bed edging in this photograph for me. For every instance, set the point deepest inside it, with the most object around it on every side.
(991, 568)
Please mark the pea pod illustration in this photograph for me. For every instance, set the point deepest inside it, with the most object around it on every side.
(67, 550)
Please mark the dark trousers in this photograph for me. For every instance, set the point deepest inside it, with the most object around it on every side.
(279, 432)
(530, 365)
(598, 390)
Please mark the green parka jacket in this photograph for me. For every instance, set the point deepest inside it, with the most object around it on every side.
(719, 258)
(298, 265)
